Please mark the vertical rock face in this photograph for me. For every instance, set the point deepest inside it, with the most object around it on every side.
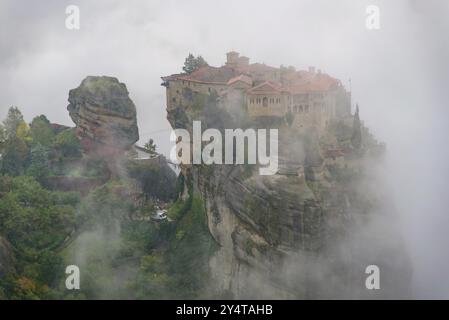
(307, 232)
(104, 115)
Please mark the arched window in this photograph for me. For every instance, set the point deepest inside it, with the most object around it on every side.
(265, 102)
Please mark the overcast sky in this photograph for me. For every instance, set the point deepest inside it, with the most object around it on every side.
(399, 76)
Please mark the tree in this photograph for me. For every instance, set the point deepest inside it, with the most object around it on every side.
(67, 143)
(2, 136)
(12, 121)
(14, 156)
(23, 131)
(191, 63)
(39, 162)
(41, 131)
(200, 62)
(150, 146)
(356, 138)
(35, 221)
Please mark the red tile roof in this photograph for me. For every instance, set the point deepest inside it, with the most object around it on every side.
(308, 82)
(243, 78)
(208, 74)
(256, 67)
(297, 82)
(267, 87)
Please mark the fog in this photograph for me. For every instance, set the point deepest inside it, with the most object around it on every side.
(399, 76)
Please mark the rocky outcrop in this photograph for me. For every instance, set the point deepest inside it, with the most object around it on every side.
(307, 232)
(104, 115)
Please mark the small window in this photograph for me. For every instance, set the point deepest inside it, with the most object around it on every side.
(265, 102)
(173, 99)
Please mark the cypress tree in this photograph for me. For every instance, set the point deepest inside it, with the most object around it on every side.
(356, 138)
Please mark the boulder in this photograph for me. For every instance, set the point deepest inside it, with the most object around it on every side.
(104, 115)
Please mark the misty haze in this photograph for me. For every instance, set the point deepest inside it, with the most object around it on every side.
(96, 204)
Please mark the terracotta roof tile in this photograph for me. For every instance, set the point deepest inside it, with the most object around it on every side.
(301, 81)
(208, 74)
(244, 78)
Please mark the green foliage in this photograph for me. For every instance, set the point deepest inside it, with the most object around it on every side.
(193, 63)
(12, 121)
(35, 221)
(41, 131)
(67, 144)
(2, 136)
(30, 217)
(190, 250)
(356, 138)
(181, 271)
(105, 205)
(153, 280)
(14, 156)
(13, 147)
(39, 162)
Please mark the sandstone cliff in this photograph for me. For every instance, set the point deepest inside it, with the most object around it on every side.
(308, 231)
(104, 115)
